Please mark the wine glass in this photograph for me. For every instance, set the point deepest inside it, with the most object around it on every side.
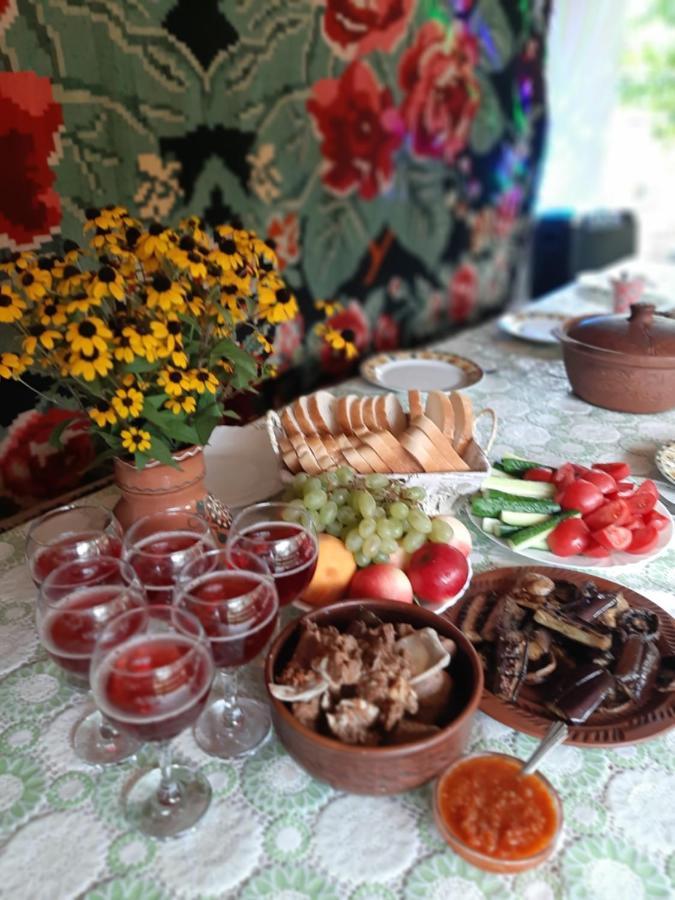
(75, 602)
(71, 533)
(236, 602)
(285, 537)
(151, 674)
(158, 546)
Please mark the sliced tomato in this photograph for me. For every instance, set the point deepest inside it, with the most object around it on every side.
(597, 550)
(564, 475)
(614, 537)
(569, 537)
(636, 522)
(618, 470)
(540, 474)
(600, 479)
(643, 540)
(582, 495)
(644, 499)
(656, 520)
(614, 512)
(623, 489)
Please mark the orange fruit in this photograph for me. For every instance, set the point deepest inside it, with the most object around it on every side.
(335, 567)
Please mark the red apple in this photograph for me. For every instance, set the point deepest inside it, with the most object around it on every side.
(437, 572)
(381, 582)
(461, 536)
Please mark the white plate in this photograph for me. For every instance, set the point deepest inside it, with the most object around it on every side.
(423, 370)
(241, 467)
(617, 560)
(665, 463)
(530, 325)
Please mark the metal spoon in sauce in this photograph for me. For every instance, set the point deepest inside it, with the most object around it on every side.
(554, 736)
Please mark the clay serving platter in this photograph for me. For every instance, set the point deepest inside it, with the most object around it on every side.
(654, 715)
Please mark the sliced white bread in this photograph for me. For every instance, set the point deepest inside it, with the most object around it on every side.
(303, 417)
(334, 449)
(439, 410)
(354, 458)
(463, 426)
(372, 458)
(423, 450)
(289, 456)
(394, 457)
(356, 414)
(415, 408)
(321, 407)
(453, 461)
(289, 422)
(342, 414)
(368, 410)
(389, 414)
(308, 460)
(321, 454)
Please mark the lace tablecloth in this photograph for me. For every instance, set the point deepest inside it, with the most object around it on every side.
(274, 832)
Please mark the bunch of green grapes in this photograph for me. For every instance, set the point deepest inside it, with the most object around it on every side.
(373, 515)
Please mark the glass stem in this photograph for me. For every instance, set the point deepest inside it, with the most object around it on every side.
(168, 792)
(107, 731)
(231, 712)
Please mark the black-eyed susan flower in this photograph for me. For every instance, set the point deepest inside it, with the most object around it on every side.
(128, 403)
(342, 341)
(72, 281)
(195, 225)
(35, 283)
(227, 255)
(105, 239)
(12, 365)
(204, 380)
(123, 351)
(11, 305)
(176, 381)
(99, 218)
(264, 343)
(276, 302)
(194, 303)
(264, 256)
(102, 413)
(40, 336)
(107, 282)
(89, 334)
(71, 252)
(147, 338)
(328, 307)
(165, 293)
(88, 365)
(52, 313)
(179, 405)
(136, 440)
(174, 347)
(82, 302)
(154, 243)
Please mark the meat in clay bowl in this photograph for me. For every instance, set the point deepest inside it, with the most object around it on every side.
(397, 742)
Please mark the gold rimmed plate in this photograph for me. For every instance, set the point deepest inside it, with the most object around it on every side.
(422, 370)
(530, 325)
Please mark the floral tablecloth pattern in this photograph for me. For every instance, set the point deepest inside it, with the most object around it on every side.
(274, 832)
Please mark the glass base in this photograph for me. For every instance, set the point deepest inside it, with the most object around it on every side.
(163, 820)
(97, 743)
(219, 737)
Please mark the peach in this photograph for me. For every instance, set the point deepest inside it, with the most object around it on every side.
(335, 567)
(381, 582)
(461, 536)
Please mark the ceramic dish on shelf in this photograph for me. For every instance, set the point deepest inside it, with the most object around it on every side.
(616, 560)
(653, 714)
(424, 370)
(532, 325)
(665, 461)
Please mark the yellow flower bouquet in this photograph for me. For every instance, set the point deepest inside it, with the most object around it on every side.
(147, 330)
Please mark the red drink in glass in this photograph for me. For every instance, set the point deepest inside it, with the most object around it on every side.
(238, 630)
(155, 686)
(158, 559)
(74, 547)
(289, 550)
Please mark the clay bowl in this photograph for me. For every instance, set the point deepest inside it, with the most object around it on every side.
(614, 378)
(379, 770)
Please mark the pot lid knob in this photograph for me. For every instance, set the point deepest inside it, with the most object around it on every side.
(642, 314)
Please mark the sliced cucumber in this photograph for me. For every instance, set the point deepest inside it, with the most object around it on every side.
(540, 545)
(502, 473)
(540, 489)
(496, 501)
(506, 530)
(516, 464)
(490, 525)
(529, 537)
(523, 519)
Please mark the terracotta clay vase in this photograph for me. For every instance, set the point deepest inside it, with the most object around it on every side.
(158, 487)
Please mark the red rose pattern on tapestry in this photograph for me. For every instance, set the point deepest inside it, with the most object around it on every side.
(463, 292)
(386, 333)
(30, 467)
(359, 127)
(30, 209)
(7, 13)
(353, 27)
(353, 323)
(441, 91)
(284, 232)
(287, 342)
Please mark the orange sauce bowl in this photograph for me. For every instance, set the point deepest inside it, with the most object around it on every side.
(495, 818)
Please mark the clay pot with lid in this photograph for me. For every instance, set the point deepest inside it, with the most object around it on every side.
(624, 364)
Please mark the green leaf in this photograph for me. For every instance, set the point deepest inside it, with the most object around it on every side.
(141, 460)
(204, 426)
(161, 451)
(154, 400)
(171, 425)
(231, 414)
(228, 349)
(488, 126)
(491, 25)
(57, 432)
(138, 366)
(112, 440)
(418, 213)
